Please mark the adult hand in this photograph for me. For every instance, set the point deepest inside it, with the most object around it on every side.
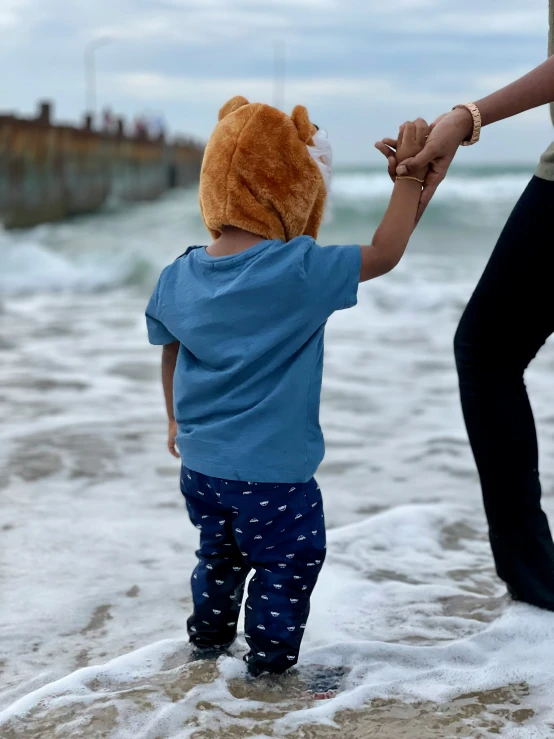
(447, 133)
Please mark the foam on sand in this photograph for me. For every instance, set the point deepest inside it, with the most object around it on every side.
(420, 637)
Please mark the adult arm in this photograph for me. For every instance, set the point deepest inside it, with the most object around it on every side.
(450, 130)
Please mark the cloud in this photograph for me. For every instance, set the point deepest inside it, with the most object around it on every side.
(12, 13)
(378, 90)
(148, 86)
(203, 27)
(363, 66)
(202, 21)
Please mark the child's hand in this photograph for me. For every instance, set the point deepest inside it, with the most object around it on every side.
(411, 140)
(172, 439)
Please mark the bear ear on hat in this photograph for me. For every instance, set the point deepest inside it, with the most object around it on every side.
(231, 105)
(304, 126)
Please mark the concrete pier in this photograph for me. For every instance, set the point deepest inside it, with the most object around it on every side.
(49, 172)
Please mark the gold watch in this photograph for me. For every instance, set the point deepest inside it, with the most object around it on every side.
(477, 123)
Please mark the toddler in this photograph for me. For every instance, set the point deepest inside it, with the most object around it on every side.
(241, 322)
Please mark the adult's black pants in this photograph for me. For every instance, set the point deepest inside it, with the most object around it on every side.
(508, 319)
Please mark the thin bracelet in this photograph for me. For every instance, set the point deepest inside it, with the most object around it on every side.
(407, 177)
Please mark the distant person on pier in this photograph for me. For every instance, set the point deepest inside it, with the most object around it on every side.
(108, 121)
(156, 127)
(141, 131)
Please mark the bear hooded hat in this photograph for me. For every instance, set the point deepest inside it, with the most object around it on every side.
(260, 173)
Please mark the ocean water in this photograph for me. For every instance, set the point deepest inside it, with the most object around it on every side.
(97, 550)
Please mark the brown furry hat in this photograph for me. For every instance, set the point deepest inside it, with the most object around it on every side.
(258, 175)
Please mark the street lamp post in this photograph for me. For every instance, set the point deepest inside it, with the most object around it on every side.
(279, 74)
(90, 72)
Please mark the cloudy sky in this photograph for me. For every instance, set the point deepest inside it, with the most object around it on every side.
(361, 66)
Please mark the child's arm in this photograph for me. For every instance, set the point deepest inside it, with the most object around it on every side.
(394, 231)
(169, 360)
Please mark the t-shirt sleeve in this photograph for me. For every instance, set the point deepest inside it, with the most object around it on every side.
(157, 332)
(332, 276)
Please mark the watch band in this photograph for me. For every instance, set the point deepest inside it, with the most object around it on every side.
(477, 123)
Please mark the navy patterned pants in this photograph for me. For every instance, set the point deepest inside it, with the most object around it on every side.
(276, 529)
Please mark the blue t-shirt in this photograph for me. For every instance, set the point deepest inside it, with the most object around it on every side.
(248, 377)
